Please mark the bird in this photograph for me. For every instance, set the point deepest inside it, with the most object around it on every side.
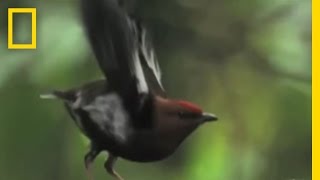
(127, 113)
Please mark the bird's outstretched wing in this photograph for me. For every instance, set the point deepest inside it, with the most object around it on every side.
(122, 48)
(111, 38)
(148, 60)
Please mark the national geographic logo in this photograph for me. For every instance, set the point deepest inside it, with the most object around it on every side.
(33, 12)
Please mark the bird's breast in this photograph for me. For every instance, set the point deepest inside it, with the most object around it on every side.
(144, 146)
(103, 117)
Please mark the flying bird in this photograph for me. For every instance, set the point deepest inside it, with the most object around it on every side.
(128, 113)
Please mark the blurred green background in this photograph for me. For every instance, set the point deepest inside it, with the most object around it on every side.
(248, 61)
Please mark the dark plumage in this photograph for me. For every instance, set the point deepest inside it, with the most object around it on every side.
(128, 114)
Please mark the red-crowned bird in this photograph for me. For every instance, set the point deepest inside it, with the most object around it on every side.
(128, 113)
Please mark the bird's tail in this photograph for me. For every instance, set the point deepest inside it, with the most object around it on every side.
(66, 96)
(48, 96)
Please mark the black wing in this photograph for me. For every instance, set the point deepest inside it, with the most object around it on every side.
(112, 41)
(149, 61)
(122, 48)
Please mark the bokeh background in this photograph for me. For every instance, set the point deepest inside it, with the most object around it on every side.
(248, 61)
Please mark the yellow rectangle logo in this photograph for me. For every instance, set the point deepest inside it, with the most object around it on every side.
(33, 12)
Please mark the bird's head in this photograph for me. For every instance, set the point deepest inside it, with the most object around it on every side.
(182, 112)
(176, 119)
(188, 111)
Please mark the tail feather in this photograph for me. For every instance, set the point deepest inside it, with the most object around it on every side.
(48, 96)
(67, 96)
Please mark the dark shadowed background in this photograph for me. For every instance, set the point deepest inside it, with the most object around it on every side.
(248, 61)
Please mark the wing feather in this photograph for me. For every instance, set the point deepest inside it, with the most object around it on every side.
(110, 34)
(149, 62)
(122, 48)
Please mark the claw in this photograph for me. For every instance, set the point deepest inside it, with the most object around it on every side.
(109, 167)
(88, 161)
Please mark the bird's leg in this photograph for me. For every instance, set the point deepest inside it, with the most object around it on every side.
(109, 166)
(89, 158)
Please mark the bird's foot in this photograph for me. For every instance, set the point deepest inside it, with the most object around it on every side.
(89, 172)
(88, 161)
(115, 174)
(109, 167)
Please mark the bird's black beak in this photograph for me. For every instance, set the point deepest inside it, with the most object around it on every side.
(207, 117)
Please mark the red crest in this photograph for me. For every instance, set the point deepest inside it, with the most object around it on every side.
(190, 106)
